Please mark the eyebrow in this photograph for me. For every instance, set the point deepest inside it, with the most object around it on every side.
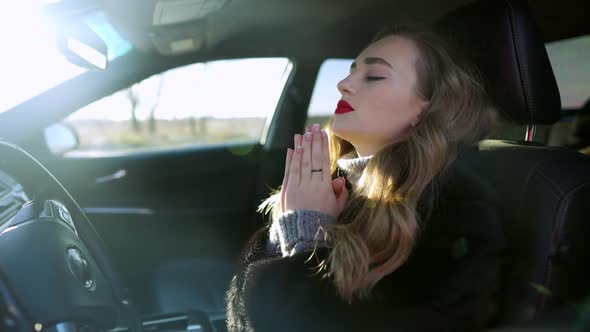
(372, 61)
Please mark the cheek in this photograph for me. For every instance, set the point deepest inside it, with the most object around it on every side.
(383, 114)
(388, 106)
(388, 114)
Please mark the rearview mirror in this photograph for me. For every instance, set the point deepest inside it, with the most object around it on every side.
(82, 46)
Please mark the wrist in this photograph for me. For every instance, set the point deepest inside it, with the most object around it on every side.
(301, 226)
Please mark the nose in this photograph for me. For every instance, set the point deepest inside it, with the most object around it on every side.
(345, 86)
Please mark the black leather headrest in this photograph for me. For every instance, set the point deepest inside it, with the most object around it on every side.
(500, 37)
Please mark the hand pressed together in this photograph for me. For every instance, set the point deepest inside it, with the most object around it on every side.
(308, 182)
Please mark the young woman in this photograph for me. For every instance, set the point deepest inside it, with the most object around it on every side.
(377, 226)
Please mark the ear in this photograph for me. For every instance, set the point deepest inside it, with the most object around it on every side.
(422, 106)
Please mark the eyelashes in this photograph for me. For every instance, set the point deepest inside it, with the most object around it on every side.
(374, 78)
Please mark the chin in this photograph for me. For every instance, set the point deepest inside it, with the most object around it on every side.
(337, 128)
(341, 132)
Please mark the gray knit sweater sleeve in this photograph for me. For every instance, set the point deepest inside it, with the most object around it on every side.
(298, 231)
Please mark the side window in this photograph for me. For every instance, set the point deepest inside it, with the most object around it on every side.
(570, 60)
(325, 93)
(213, 103)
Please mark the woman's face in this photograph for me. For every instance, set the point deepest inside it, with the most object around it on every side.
(380, 90)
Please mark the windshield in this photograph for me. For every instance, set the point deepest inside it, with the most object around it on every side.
(30, 62)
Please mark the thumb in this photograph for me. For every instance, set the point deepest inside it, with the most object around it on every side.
(337, 185)
(342, 196)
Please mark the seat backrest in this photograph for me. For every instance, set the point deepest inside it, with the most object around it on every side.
(544, 204)
(544, 192)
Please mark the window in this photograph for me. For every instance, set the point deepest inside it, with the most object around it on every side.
(325, 93)
(570, 60)
(213, 103)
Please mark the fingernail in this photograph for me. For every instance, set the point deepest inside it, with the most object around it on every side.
(299, 149)
(315, 128)
(308, 136)
(324, 134)
(306, 129)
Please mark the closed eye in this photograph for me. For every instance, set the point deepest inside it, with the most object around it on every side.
(374, 78)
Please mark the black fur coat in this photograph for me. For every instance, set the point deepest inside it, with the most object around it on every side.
(449, 283)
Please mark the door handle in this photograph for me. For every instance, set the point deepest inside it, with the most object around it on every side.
(111, 177)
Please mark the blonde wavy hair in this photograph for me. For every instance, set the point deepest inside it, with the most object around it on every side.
(378, 228)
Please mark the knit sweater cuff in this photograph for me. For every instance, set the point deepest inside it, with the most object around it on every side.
(298, 231)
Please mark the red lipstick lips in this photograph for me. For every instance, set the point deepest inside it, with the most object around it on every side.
(343, 107)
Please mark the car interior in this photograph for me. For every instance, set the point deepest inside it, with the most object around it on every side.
(149, 239)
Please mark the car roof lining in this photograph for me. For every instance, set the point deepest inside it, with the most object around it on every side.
(267, 22)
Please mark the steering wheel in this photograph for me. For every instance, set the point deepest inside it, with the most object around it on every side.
(52, 258)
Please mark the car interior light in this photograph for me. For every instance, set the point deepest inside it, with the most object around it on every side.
(183, 45)
(178, 11)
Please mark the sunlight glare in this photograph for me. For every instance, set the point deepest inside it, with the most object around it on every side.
(30, 62)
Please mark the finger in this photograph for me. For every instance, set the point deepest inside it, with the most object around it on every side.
(337, 185)
(316, 153)
(286, 178)
(295, 166)
(306, 158)
(297, 140)
(307, 129)
(341, 199)
(326, 155)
